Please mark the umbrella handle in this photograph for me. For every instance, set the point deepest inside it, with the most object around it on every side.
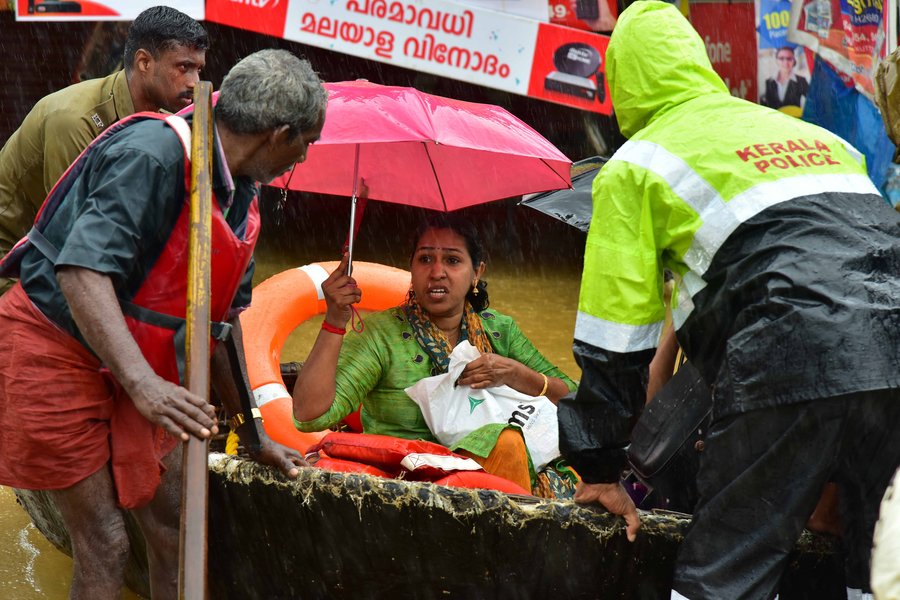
(353, 212)
(352, 235)
(357, 208)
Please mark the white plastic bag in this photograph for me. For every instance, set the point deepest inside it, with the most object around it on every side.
(452, 412)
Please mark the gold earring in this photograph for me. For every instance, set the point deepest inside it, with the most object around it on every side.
(475, 288)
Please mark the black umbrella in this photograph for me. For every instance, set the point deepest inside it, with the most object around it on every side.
(573, 205)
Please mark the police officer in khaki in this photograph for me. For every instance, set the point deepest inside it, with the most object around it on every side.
(164, 53)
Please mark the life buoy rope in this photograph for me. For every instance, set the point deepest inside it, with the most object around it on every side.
(280, 304)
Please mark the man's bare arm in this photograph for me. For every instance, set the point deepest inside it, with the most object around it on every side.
(96, 311)
(230, 383)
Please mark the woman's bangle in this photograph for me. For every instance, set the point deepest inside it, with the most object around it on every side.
(546, 384)
(332, 329)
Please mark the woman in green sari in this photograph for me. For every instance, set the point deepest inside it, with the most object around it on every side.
(447, 303)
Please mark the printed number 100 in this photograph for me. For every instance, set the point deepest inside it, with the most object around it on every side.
(777, 20)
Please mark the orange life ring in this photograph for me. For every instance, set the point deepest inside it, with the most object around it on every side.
(280, 304)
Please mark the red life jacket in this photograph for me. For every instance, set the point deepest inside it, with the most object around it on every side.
(156, 314)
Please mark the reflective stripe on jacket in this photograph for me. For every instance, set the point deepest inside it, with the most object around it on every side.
(660, 203)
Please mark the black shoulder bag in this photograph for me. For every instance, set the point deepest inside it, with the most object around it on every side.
(667, 440)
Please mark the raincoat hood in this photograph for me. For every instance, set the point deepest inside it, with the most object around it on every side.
(656, 61)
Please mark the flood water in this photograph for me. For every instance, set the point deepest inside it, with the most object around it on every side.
(533, 274)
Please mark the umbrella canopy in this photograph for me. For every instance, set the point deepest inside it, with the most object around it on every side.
(422, 150)
(573, 206)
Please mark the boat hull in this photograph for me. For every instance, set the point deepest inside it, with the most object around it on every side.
(340, 535)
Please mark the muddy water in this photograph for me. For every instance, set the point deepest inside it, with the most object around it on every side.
(30, 567)
(533, 275)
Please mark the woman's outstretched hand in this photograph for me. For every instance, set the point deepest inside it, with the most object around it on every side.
(340, 292)
(315, 387)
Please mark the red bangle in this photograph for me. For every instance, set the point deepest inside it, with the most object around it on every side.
(332, 329)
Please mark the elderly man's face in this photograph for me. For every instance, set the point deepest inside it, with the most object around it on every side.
(280, 154)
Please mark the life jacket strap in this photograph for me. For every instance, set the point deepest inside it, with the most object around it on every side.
(39, 241)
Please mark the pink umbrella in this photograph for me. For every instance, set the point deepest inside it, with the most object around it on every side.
(422, 150)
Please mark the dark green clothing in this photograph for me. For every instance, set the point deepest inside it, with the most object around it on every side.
(52, 135)
(377, 365)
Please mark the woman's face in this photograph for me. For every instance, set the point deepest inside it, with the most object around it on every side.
(442, 272)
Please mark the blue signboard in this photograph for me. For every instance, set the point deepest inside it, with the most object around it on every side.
(774, 19)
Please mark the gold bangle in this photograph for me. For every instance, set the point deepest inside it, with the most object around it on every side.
(238, 419)
(546, 384)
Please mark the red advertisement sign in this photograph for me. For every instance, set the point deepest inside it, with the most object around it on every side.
(729, 32)
(589, 15)
(107, 10)
(262, 16)
(568, 69)
(33, 9)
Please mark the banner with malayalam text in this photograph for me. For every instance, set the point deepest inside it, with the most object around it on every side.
(460, 41)
(532, 9)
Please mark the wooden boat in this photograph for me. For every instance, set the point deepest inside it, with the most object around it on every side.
(354, 536)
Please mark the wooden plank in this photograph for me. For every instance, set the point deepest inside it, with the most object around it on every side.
(194, 533)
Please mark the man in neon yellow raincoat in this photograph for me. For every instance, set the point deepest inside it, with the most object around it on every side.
(788, 268)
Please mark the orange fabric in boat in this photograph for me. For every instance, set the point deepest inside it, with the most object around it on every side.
(508, 459)
(480, 480)
(383, 451)
(63, 417)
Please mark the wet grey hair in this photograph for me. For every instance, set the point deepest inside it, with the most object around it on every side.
(268, 89)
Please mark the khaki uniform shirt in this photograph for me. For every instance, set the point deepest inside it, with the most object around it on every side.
(52, 135)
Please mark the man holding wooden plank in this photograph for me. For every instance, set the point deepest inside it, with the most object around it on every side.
(91, 359)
